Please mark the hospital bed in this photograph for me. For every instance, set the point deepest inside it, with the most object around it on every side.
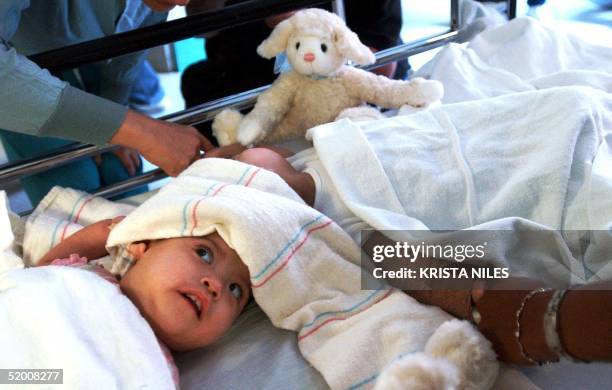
(254, 354)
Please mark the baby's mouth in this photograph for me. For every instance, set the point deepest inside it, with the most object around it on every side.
(195, 302)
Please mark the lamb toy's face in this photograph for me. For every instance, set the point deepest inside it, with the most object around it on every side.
(313, 55)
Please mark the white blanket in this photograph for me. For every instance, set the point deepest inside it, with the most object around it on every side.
(522, 55)
(70, 319)
(523, 162)
(544, 133)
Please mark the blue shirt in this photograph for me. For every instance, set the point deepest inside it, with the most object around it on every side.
(32, 101)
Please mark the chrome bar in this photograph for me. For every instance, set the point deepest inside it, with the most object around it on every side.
(147, 37)
(511, 9)
(207, 111)
(409, 49)
(338, 8)
(455, 23)
(14, 170)
(131, 183)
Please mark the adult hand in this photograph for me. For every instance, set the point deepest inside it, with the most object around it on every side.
(170, 146)
(130, 159)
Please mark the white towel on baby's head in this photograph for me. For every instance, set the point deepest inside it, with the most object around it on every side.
(305, 274)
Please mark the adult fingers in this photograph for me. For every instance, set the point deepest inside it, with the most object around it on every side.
(205, 143)
(118, 219)
(128, 163)
(135, 158)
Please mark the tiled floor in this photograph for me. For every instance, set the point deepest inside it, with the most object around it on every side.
(424, 18)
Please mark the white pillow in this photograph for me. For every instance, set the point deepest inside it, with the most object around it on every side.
(66, 318)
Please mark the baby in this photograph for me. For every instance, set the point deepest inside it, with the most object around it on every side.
(189, 289)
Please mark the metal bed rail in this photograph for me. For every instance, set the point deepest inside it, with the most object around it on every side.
(207, 111)
(73, 56)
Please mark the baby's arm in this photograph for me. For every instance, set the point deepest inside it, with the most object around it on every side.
(88, 242)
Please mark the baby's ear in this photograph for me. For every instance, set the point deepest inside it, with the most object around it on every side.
(137, 249)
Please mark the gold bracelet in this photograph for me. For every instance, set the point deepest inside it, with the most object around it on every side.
(517, 333)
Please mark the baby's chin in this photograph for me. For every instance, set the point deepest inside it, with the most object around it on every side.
(183, 341)
(183, 344)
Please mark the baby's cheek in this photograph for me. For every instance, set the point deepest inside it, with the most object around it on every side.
(228, 315)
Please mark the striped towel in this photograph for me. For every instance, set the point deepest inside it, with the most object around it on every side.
(62, 212)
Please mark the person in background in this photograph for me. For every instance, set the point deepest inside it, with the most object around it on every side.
(147, 95)
(378, 24)
(41, 110)
(233, 65)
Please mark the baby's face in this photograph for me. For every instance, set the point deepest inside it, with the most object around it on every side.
(190, 289)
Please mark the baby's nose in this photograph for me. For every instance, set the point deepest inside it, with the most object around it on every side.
(309, 57)
(212, 285)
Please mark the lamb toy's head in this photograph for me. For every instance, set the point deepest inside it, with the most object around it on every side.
(316, 42)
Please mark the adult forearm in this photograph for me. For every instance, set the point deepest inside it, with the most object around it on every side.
(585, 320)
(584, 317)
(34, 102)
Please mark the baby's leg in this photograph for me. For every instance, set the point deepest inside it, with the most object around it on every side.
(274, 161)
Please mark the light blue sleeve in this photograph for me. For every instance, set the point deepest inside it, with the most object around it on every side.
(118, 77)
(32, 101)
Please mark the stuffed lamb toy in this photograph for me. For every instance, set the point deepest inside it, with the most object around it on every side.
(320, 85)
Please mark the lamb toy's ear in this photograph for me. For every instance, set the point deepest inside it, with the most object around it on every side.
(348, 44)
(276, 43)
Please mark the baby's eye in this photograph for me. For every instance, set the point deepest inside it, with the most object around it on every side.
(236, 290)
(323, 47)
(205, 254)
(297, 45)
